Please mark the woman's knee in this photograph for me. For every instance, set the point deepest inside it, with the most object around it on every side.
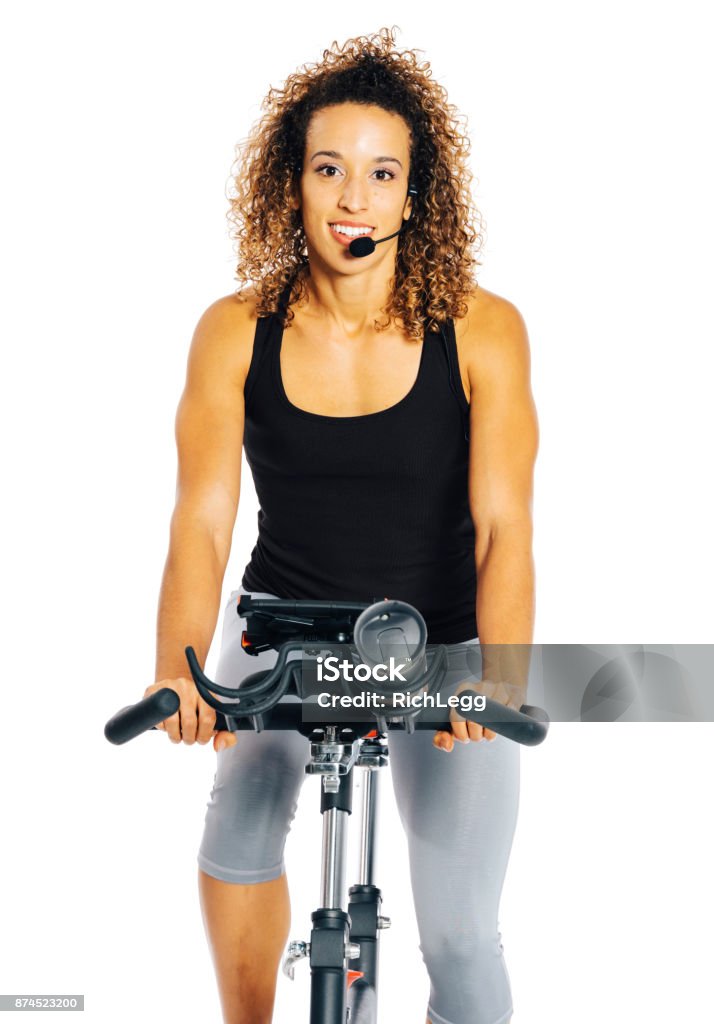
(455, 950)
(468, 975)
(250, 810)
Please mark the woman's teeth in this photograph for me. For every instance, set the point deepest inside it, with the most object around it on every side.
(344, 230)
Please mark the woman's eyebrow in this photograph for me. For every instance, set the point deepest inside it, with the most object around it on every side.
(338, 156)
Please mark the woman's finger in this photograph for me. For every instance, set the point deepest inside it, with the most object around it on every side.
(463, 729)
(476, 731)
(173, 727)
(444, 741)
(224, 739)
(189, 721)
(206, 722)
(460, 731)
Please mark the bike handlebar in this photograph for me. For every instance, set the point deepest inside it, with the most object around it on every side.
(525, 726)
(258, 707)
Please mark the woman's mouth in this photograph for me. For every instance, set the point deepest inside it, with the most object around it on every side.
(346, 233)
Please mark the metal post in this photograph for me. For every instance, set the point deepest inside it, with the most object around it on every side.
(334, 835)
(370, 794)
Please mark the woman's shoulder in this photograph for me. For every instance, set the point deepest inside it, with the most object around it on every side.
(492, 333)
(224, 333)
(485, 311)
(237, 309)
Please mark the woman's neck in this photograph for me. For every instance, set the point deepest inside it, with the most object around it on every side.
(349, 304)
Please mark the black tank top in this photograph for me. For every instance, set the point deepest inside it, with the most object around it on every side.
(359, 508)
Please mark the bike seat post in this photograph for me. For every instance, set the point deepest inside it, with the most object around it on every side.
(364, 907)
(335, 808)
(330, 946)
(368, 838)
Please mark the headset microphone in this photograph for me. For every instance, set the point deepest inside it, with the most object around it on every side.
(365, 246)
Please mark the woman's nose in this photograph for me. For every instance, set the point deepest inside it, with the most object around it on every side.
(355, 195)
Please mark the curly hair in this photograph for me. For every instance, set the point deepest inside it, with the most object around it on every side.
(434, 266)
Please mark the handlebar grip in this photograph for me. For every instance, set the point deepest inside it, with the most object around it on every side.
(134, 719)
(528, 726)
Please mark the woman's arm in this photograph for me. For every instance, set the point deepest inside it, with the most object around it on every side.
(504, 444)
(209, 439)
(505, 431)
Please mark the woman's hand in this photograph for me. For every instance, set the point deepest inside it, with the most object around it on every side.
(461, 728)
(195, 721)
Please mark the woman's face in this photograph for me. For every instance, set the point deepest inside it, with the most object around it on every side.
(355, 174)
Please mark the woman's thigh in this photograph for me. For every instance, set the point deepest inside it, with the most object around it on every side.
(257, 782)
(459, 813)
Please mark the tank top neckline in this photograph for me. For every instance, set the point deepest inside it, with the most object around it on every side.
(278, 375)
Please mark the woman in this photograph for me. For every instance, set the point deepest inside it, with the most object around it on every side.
(355, 383)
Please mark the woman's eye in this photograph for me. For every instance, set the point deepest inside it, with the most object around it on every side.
(326, 169)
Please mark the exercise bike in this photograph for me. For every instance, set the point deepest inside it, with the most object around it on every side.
(343, 949)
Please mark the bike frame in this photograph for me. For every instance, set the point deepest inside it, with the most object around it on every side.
(343, 947)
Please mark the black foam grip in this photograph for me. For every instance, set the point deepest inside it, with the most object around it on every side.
(134, 719)
(528, 726)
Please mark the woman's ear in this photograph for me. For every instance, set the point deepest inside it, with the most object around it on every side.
(408, 205)
(407, 209)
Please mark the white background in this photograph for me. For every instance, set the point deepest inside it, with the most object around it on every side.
(591, 148)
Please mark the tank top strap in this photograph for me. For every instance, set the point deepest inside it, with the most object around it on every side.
(448, 336)
(261, 342)
(264, 338)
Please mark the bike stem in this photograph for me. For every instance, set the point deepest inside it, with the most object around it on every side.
(342, 935)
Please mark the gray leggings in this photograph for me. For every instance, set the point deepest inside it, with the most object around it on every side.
(459, 814)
